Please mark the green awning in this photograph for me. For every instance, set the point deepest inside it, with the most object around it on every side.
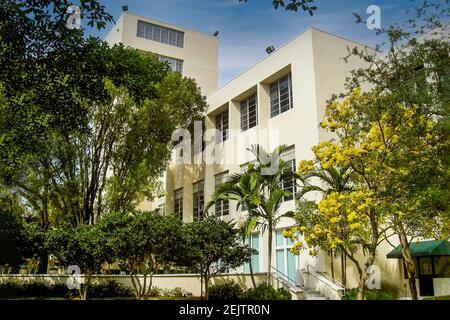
(423, 249)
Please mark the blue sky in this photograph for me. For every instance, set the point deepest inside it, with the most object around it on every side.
(246, 29)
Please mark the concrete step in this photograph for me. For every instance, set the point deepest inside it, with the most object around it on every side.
(314, 295)
(316, 298)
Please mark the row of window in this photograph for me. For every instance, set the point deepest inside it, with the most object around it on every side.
(222, 207)
(160, 34)
(280, 102)
(174, 64)
(285, 260)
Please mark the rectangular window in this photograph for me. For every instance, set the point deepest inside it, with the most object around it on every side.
(160, 34)
(286, 261)
(249, 113)
(281, 96)
(222, 127)
(199, 200)
(288, 182)
(175, 64)
(222, 207)
(161, 209)
(178, 210)
(255, 258)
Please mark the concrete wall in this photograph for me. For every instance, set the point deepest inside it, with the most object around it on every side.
(200, 51)
(190, 283)
(441, 287)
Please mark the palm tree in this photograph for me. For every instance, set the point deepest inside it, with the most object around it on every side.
(332, 179)
(259, 190)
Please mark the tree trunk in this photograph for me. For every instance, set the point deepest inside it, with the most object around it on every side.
(206, 286)
(84, 289)
(43, 263)
(344, 270)
(332, 263)
(409, 263)
(201, 286)
(250, 264)
(269, 255)
(364, 275)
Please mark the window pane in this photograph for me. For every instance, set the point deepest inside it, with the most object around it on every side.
(442, 266)
(165, 35)
(291, 272)
(172, 37)
(157, 33)
(149, 31)
(141, 29)
(280, 96)
(180, 39)
(280, 260)
(279, 239)
(244, 116)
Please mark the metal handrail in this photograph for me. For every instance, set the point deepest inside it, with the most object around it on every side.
(277, 272)
(326, 276)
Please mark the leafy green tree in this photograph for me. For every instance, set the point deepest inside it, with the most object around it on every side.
(84, 246)
(294, 5)
(143, 243)
(48, 73)
(410, 107)
(259, 190)
(11, 228)
(211, 247)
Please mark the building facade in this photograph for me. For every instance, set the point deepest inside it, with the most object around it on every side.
(280, 100)
(193, 54)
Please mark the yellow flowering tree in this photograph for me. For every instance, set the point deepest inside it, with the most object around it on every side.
(395, 140)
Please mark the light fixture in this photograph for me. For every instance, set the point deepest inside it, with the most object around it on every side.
(270, 49)
(216, 33)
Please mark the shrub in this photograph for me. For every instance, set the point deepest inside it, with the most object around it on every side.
(109, 289)
(266, 292)
(227, 290)
(42, 290)
(387, 292)
(155, 292)
(175, 292)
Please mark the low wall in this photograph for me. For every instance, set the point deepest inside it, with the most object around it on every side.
(324, 286)
(441, 287)
(189, 282)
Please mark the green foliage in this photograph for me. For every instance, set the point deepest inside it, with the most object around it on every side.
(11, 242)
(266, 292)
(293, 5)
(31, 289)
(109, 289)
(212, 246)
(43, 290)
(143, 243)
(387, 292)
(226, 290)
(176, 292)
(84, 246)
(71, 106)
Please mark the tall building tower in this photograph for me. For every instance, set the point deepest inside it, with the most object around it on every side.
(193, 54)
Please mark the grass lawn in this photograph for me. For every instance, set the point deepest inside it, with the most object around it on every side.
(438, 298)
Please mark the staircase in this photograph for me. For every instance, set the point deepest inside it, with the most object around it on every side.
(314, 295)
(283, 281)
(320, 286)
